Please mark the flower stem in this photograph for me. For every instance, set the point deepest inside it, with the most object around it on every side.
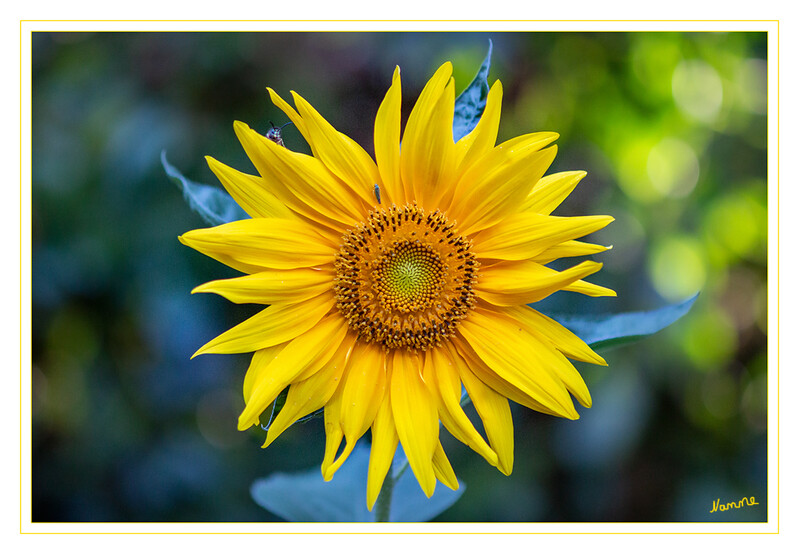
(383, 506)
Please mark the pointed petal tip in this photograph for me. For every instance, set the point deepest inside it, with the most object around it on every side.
(329, 471)
(273, 95)
(245, 424)
(371, 498)
(429, 488)
(505, 470)
(599, 360)
(269, 439)
(200, 288)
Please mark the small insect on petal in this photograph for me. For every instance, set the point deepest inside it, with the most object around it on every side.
(377, 193)
(275, 134)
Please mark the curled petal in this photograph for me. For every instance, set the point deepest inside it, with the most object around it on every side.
(496, 185)
(550, 191)
(249, 192)
(443, 378)
(252, 245)
(415, 417)
(525, 282)
(387, 142)
(309, 351)
(384, 445)
(525, 235)
(271, 326)
(525, 366)
(308, 395)
(340, 154)
(483, 137)
(272, 286)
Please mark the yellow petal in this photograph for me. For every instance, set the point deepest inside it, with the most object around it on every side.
(364, 388)
(271, 326)
(589, 289)
(551, 190)
(494, 411)
(543, 354)
(340, 154)
(272, 286)
(387, 142)
(416, 158)
(461, 350)
(251, 245)
(569, 249)
(291, 112)
(525, 282)
(517, 359)
(309, 395)
(428, 152)
(249, 192)
(258, 364)
(556, 334)
(496, 185)
(524, 235)
(443, 469)
(333, 433)
(384, 445)
(483, 137)
(302, 182)
(415, 417)
(444, 382)
(311, 350)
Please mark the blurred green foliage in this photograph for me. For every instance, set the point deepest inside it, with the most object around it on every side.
(671, 128)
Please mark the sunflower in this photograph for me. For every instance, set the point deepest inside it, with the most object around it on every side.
(393, 283)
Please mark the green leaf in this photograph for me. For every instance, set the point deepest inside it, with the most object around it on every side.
(470, 103)
(305, 496)
(213, 204)
(610, 330)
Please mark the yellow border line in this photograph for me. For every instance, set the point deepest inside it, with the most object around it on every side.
(492, 524)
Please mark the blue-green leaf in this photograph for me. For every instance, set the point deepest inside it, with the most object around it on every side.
(409, 503)
(470, 103)
(213, 204)
(608, 330)
(305, 496)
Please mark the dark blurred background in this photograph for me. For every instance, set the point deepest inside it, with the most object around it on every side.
(671, 128)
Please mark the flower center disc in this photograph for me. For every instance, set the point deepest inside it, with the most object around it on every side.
(404, 279)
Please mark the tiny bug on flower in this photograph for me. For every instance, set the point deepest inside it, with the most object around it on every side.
(275, 134)
(377, 193)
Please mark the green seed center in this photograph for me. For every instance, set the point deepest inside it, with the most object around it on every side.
(409, 276)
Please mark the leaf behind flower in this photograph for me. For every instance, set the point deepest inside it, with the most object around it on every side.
(604, 331)
(305, 496)
(470, 103)
(213, 204)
